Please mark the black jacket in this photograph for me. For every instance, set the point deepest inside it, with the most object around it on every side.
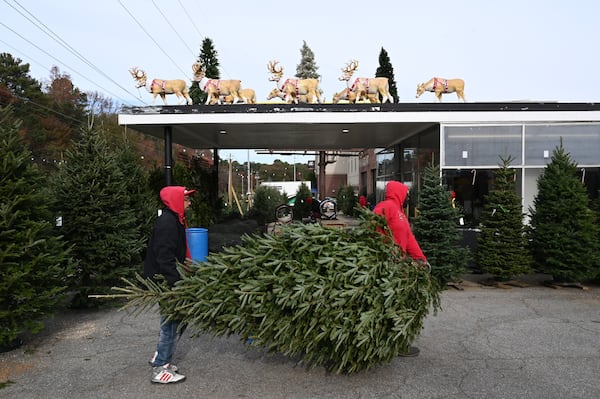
(166, 247)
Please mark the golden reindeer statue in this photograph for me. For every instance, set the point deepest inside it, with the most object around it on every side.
(160, 87)
(366, 88)
(440, 86)
(215, 88)
(293, 89)
(303, 98)
(248, 96)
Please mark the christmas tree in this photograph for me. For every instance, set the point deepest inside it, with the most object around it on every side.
(564, 233)
(502, 245)
(436, 229)
(34, 260)
(94, 198)
(345, 299)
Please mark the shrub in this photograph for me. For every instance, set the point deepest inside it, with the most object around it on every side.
(346, 200)
(266, 199)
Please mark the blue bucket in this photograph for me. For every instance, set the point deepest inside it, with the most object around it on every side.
(197, 239)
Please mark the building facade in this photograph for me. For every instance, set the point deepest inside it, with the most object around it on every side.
(469, 154)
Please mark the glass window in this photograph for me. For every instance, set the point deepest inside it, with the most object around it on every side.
(481, 145)
(581, 141)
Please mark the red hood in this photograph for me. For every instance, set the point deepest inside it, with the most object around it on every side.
(172, 197)
(396, 191)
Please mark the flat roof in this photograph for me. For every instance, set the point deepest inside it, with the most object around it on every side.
(333, 126)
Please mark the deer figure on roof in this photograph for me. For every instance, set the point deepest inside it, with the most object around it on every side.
(248, 96)
(366, 88)
(215, 88)
(293, 88)
(440, 86)
(160, 87)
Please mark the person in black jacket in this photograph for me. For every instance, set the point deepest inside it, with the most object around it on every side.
(167, 248)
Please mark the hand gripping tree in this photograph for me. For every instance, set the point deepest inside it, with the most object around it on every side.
(564, 233)
(502, 245)
(436, 230)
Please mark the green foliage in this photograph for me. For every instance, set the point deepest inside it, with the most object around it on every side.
(386, 70)
(302, 208)
(502, 245)
(266, 199)
(50, 120)
(436, 229)
(347, 200)
(209, 58)
(307, 68)
(206, 207)
(340, 298)
(140, 198)
(564, 233)
(34, 260)
(93, 198)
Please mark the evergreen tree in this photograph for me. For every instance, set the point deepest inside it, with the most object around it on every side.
(436, 229)
(386, 70)
(346, 200)
(209, 59)
(307, 68)
(29, 103)
(302, 207)
(266, 200)
(34, 260)
(502, 245)
(564, 233)
(140, 197)
(344, 299)
(91, 189)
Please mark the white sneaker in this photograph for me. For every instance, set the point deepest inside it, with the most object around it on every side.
(170, 366)
(165, 375)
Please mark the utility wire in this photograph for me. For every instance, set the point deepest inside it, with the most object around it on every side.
(54, 58)
(172, 27)
(187, 14)
(49, 32)
(150, 36)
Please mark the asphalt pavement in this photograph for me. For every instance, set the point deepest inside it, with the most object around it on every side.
(532, 342)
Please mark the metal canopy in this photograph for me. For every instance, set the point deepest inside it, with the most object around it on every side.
(330, 126)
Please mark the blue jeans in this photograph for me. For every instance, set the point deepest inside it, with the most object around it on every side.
(167, 341)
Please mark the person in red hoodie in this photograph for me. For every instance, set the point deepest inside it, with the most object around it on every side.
(167, 248)
(392, 208)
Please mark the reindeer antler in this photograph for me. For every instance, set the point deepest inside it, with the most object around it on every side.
(349, 70)
(273, 67)
(136, 72)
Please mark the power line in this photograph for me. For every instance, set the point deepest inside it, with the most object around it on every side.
(54, 58)
(191, 20)
(49, 32)
(172, 27)
(151, 38)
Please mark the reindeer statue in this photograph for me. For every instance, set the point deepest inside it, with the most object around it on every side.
(248, 96)
(352, 96)
(160, 87)
(440, 86)
(303, 98)
(215, 88)
(294, 88)
(371, 87)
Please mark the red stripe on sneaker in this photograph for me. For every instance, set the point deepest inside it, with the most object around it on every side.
(166, 377)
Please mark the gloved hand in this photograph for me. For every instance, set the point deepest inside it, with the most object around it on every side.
(422, 264)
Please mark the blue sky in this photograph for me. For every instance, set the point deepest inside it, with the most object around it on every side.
(505, 51)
